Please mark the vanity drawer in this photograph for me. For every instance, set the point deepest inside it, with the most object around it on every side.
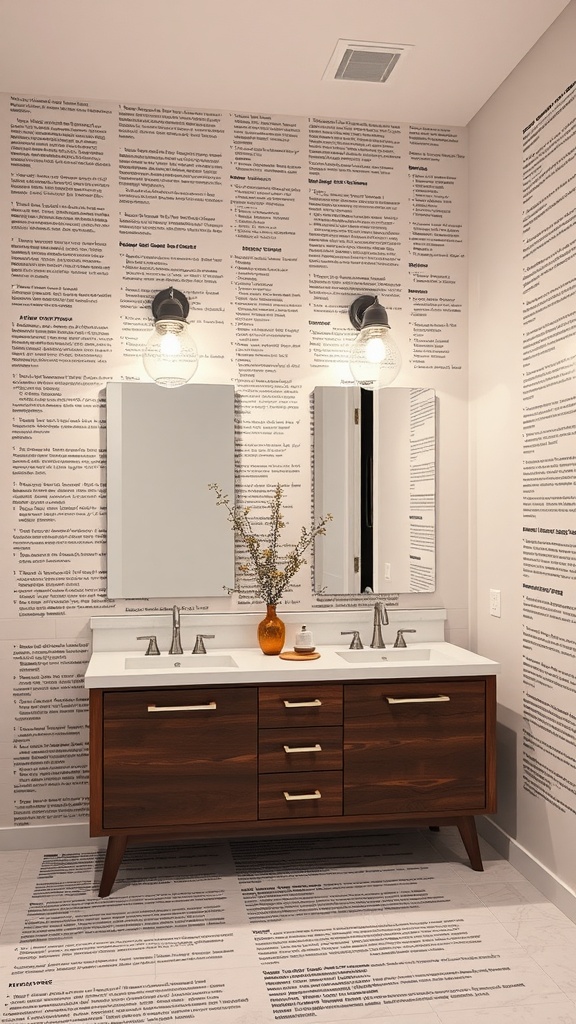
(237, 703)
(300, 795)
(301, 704)
(300, 750)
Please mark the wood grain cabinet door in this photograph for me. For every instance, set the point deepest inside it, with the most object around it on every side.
(179, 757)
(415, 747)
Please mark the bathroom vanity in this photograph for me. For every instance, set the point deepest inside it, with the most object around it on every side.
(236, 744)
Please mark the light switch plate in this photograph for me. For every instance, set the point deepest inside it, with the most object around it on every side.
(495, 603)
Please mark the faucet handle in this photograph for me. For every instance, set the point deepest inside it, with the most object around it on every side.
(152, 644)
(199, 647)
(400, 641)
(356, 643)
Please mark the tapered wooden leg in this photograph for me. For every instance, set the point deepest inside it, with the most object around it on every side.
(469, 836)
(114, 853)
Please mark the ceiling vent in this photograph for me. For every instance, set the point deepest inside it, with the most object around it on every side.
(354, 61)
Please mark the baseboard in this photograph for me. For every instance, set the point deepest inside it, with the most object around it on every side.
(549, 885)
(40, 837)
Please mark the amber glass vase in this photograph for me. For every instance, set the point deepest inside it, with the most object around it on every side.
(271, 632)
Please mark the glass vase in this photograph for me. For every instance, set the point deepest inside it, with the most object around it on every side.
(271, 632)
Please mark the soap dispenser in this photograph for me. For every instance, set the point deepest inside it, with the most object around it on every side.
(303, 642)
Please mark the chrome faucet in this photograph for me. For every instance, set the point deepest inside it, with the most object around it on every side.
(176, 645)
(380, 619)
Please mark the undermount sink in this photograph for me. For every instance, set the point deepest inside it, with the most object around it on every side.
(161, 662)
(374, 656)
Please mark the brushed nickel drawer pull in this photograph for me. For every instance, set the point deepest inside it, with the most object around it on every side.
(302, 750)
(185, 707)
(316, 795)
(302, 703)
(416, 700)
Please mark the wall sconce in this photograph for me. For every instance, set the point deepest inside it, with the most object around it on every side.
(375, 358)
(170, 356)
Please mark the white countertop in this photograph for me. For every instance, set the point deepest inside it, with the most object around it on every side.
(108, 669)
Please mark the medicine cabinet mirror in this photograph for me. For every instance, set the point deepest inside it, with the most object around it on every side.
(164, 446)
(375, 471)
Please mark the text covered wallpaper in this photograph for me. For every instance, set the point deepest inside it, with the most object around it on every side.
(523, 413)
(547, 745)
(271, 226)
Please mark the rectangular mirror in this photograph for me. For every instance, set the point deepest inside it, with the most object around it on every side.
(375, 471)
(164, 446)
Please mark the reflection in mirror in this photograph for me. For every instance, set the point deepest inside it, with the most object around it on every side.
(164, 446)
(375, 471)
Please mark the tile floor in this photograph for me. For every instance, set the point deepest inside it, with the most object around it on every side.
(391, 927)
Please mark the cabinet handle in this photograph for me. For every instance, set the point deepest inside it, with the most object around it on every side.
(302, 703)
(302, 750)
(316, 795)
(185, 707)
(416, 700)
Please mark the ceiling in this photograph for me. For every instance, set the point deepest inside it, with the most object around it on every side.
(269, 57)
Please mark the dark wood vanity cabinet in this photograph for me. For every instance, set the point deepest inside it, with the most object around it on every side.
(272, 758)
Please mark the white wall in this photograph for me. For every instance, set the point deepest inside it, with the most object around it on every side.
(539, 830)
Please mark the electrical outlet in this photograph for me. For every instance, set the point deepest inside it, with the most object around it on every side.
(495, 603)
(386, 570)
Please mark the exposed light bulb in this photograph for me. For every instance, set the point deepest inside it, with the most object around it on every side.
(171, 342)
(170, 356)
(375, 359)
